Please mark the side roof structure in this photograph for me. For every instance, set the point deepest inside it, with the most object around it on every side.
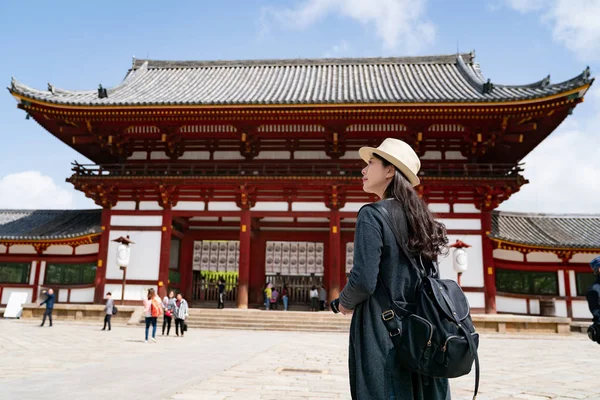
(48, 225)
(559, 231)
(437, 79)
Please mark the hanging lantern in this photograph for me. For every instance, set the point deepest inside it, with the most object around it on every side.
(459, 258)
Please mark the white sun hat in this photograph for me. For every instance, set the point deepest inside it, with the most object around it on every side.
(398, 153)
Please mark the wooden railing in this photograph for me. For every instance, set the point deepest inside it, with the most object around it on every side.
(288, 168)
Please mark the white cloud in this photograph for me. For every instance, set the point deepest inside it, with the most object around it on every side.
(400, 24)
(564, 171)
(575, 23)
(338, 50)
(32, 190)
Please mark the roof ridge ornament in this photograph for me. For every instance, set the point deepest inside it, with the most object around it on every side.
(102, 92)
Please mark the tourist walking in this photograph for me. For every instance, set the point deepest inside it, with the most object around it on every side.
(375, 373)
(181, 314)
(169, 308)
(221, 286)
(108, 310)
(274, 298)
(49, 302)
(152, 309)
(314, 298)
(322, 298)
(286, 297)
(593, 299)
(268, 291)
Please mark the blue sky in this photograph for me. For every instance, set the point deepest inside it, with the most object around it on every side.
(78, 45)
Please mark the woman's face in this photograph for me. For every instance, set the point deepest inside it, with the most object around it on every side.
(376, 177)
(172, 294)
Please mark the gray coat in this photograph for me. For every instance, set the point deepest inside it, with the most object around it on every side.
(374, 370)
(108, 308)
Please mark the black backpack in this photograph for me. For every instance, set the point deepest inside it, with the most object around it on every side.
(434, 336)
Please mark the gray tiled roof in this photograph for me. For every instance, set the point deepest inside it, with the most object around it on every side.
(450, 78)
(48, 224)
(547, 230)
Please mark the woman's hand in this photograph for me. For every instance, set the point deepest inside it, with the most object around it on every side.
(344, 310)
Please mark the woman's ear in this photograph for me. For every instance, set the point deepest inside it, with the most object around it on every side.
(391, 171)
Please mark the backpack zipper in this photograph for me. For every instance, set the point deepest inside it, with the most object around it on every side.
(430, 328)
(454, 337)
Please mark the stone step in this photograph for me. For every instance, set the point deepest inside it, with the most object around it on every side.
(243, 326)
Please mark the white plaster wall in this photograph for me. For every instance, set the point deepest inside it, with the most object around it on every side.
(22, 249)
(311, 155)
(432, 155)
(124, 205)
(195, 155)
(454, 155)
(572, 283)
(476, 300)
(231, 219)
(561, 308)
(466, 208)
(580, 309)
(561, 283)
(132, 292)
(138, 155)
(439, 207)
(32, 271)
(59, 250)
(270, 206)
(42, 274)
(278, 219)
(474, 275)
(87, 249)
(189, 206)
(158, 155)
(470, 224)
(63, 295)
(228, 155)
(511, 305)
(509, 255)
(351, 155)
(273, 155)
(534, 307)
(150, 205)
(2, 249)
(145, 255)
(136, 220)
(223, 206)
(537, 256)
(352, 207)
(312, 220)
(583, 258)
(7, 291)
(307, 206)
(204, 219)
(82, 295)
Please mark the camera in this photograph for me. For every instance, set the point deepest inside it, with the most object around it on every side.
(335, 306)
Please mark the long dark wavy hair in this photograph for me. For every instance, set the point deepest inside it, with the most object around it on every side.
(426, 236)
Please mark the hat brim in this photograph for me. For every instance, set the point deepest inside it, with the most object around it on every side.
(366, 153)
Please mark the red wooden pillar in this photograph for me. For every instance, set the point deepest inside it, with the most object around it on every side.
(334, 255)
(489, 270)
(568, 294)
(165, 252)
(36, 281)
(185, 267)
(257, 266)
(244, 271)
(100, 280)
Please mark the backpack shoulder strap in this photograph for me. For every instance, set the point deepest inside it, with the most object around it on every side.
(387, 217)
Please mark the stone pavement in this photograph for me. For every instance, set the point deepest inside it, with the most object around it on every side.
(81, 362)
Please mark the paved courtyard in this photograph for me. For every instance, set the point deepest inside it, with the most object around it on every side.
(81, 362)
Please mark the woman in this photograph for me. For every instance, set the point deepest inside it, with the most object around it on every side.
(169, 307)
(152, 309)
(314, 298)
(286, 297)
(391, 174)
(181, 313)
